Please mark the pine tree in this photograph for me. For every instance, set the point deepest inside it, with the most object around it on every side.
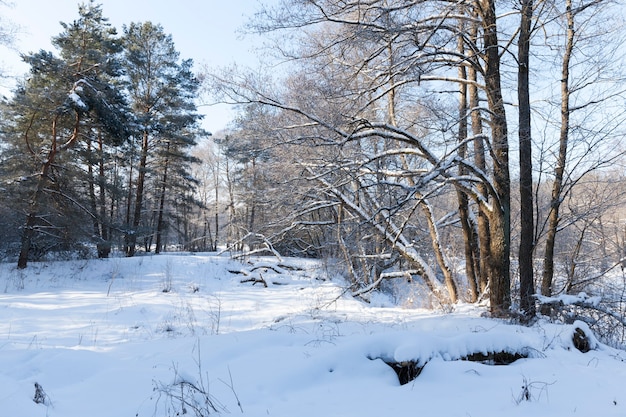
(162, 91)
(64, 102)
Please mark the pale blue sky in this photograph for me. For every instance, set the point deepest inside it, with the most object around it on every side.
(205, 30)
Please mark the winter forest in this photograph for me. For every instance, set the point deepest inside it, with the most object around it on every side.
(474, 147)
(447, 155)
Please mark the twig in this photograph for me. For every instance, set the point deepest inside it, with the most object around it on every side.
(232, 388)
(256, 280)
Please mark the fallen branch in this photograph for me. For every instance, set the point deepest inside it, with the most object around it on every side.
(386, 275)
(581, 300)
(268, 247)
(255, 280)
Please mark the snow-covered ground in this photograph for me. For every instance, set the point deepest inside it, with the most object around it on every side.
(161, 335)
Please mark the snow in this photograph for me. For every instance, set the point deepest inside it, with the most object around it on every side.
(102, 338)
(77, 100)
(568, 299)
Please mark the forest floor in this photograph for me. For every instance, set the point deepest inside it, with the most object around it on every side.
(176, 334)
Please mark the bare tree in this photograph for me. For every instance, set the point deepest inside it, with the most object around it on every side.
(357, 46)
(392, 108)
(584, 126)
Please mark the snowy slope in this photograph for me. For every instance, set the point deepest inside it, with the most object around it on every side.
(134, 337)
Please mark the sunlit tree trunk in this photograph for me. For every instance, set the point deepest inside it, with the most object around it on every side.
(482, 227)
(139, 194)
(92, 189)
(557, 186)
(102, 192)
(500, 216)
(468, 229)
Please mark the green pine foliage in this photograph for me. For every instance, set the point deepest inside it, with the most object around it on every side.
(96, 147)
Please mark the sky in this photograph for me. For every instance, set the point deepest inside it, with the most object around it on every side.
(205, 30)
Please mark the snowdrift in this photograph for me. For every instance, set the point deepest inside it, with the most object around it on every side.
(183, 335)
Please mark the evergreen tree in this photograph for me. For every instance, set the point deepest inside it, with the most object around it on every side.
(162, 91)
(61, 104)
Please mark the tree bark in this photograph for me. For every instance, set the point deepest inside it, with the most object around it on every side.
(139, 195)
(102, 192)
(482, 227)
(160, 223)
(469, 236)
(448, 279)
(559, 171)
(527, 240)
(92, 191)
(33, 212)
(500, 217)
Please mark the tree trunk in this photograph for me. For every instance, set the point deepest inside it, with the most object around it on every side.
(253, 198)
(469, 236)
(160, 224)
(482, 228)
(217, 207)
(448, 279)
(500, 217)
(92, 191)
(129, 201)
(102, 192)
(233, 234)
(33, 212)
(141, 179)
(527, 241)
(557, 186)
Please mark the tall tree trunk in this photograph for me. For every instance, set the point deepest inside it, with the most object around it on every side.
(141, 179)
(253, 199)
(527, 240)
(102, 189)
(115, 200)
(469, 236)
(500, 217)
(482, 228)
(129, 202)
(160, 223)
(559, 171)
(216, 176)
(232, 214)
(92, 191)
(33, 211)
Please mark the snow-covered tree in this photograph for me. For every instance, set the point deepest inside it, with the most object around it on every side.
(63, 101)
